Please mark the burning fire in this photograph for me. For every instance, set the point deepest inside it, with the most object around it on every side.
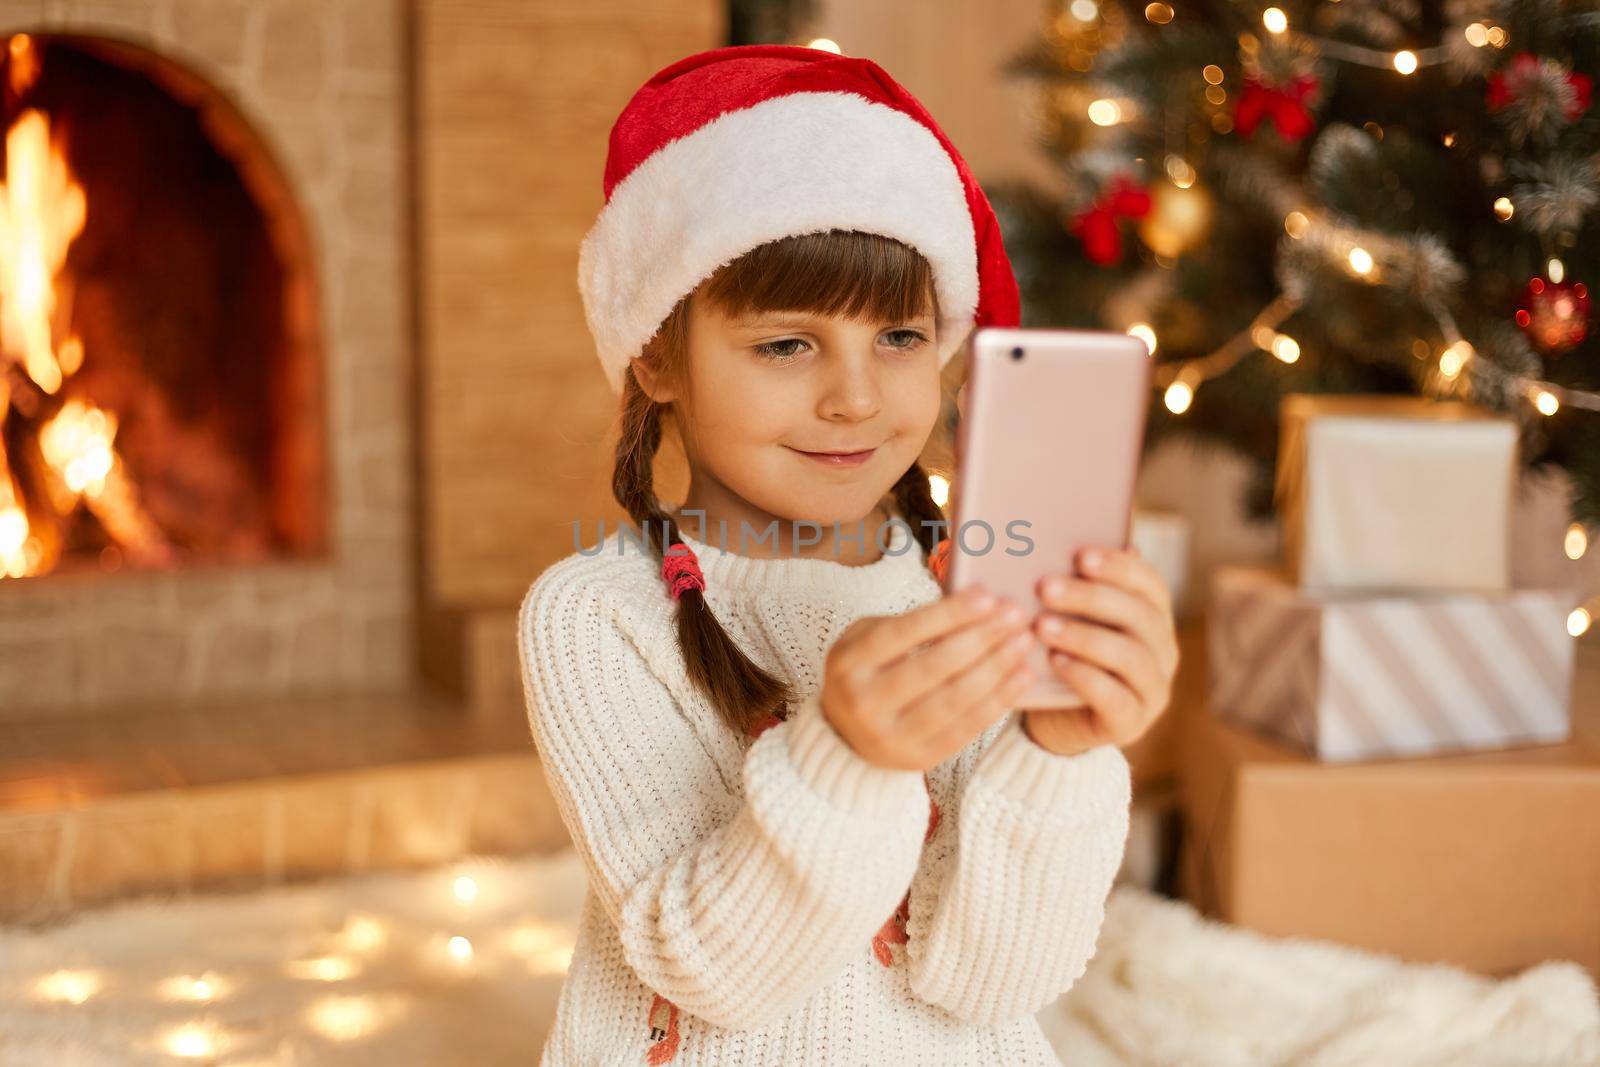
(42, 210)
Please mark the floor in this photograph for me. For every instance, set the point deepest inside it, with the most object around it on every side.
(95, 808)
(462, 964)
(459, 964)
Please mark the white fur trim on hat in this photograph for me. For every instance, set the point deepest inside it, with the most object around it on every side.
(798, 163)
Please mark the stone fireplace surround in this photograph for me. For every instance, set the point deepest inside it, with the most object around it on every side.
(307, 99)
(236, 727)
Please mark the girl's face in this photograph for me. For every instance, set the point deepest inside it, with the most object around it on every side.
(767, 389)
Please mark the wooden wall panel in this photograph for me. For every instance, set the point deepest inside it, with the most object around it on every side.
(515, 99)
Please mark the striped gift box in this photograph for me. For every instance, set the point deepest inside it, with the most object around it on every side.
(1367, 676)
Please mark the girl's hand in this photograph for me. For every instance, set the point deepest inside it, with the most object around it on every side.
(908, 691)
(1121, 662)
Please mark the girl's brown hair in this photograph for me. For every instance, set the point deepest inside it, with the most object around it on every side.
(837, 272)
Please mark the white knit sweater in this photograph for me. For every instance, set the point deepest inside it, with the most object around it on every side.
(743, 893)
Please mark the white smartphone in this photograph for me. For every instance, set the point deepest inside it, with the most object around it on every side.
(1047, 453)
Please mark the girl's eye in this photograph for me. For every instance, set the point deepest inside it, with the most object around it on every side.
(777, 351)
(916, 338)
(774, 350)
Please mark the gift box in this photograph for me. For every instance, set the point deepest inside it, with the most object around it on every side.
(1485, 860)
(1377, 675)
(1378, 492)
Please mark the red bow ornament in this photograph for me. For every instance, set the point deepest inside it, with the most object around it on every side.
(1285, 105)
(1097, 227)
(1523, 75)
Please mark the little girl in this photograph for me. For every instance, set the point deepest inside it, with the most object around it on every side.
(816, 827)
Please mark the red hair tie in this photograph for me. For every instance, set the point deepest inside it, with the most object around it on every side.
(681, 570)
(939, 559)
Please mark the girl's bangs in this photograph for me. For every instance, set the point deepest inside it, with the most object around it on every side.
(862, 276)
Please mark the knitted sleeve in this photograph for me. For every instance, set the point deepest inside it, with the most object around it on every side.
(733, 908)
(1007, 905)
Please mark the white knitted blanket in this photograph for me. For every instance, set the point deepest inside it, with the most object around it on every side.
(1166, 987)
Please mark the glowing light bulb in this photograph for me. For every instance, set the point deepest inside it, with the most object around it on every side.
(465, 889)
(323, 969)
(1085, 10)
(73, 987)
(1144, 332)
(1295, 224)
(1546, 402)
(1178, 397)
(939, 489)
(347, 1017)
(193, 1040)
(363, 933)
(1180, 171)
(1477, 35)
(1578, 622)
(1555, 270)
(1503, 208)
(1360, 260)
(1286, 348)
(188, 987)
(1274, 20)
(1105, 112)
(1577, 541)
(1453, 358)
(460, 948)
(1405, 61)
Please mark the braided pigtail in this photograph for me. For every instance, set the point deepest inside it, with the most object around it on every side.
(914, 498)
(743, 693)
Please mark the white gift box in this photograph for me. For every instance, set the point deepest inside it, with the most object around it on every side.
(1395, 493)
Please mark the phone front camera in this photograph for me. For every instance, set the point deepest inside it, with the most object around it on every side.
(1016, 353)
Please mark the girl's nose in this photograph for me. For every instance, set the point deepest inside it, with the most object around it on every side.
(853, 392)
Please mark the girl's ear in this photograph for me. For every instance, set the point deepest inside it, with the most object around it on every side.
(649, 381)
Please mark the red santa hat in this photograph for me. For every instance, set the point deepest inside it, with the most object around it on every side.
(734, 147)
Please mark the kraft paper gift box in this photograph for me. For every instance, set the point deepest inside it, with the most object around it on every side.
(1394, 492)
(1377, 675)
(1485, 860)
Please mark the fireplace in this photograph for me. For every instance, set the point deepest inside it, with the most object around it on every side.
(205, 375)
(161, 403)
(291, 211)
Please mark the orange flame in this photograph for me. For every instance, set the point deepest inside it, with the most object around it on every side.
(42, 211)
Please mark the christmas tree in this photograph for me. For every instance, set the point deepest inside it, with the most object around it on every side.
(1377, 196)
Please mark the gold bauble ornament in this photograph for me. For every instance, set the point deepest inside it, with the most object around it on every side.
(1179, 219)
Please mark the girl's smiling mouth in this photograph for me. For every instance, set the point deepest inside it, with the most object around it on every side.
(838, 459)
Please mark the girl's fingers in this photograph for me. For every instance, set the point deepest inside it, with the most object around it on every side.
(892, 636)
(967, 702)
(1127, 657)
(1103, 602)
(1118, 707)
(959, 731)
(912, 676)
(1126, 568)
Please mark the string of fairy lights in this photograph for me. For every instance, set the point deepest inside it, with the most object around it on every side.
(1368, 256)
(1180, 380)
